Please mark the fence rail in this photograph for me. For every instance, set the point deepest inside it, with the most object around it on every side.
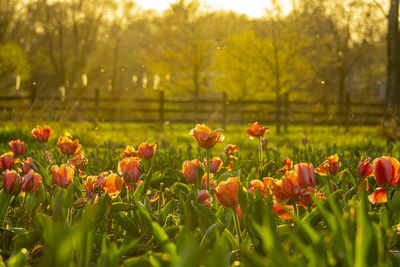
(221, 111)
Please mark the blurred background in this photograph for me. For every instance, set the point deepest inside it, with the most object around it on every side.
(284, 62)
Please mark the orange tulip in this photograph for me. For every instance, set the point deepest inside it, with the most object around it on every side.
(257, 185)
(42, 134)
(378, 196)
(89, 185)
(204, 198)
(305, 175)
(12, 182)
(331, 165)
(28, 164)
(113, 184)
(204, 182)
(365, 168)
(63, 175)
(386, 171)
(147, 151)
(290, 186)
(284, 211)
(215, 164)
(306, 194)
(31, 182)
(205, 137)
(274, 186)
(67, 146)
(227, 191)
(288, 165)
(17, 147)
(156, 197)
(189, 170)
(256, 130)
(129, 152)
(231, 149)
(6, 161)
(129, 168)
(78, 161)
(100, 181)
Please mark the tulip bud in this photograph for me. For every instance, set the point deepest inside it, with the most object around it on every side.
(190, 170)
(17, 147)
(63, 175)
(204, 198)
(12, 182)
(31, 182)
(147, 151)
(6, 161)
(129, 168)
(227, 191)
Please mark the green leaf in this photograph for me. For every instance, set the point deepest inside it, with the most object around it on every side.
(5, 200)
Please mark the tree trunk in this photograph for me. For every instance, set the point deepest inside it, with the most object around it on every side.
(393, 50)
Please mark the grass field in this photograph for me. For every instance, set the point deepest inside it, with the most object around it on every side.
(90, 219)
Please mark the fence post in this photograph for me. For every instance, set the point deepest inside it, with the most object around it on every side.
(196, 106)
(286, 110)
(33, 95)
(347, 116)
(161, 109)
(224, 103)
(96, 104)
(278, 114)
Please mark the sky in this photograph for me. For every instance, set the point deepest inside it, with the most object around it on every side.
(252, 8)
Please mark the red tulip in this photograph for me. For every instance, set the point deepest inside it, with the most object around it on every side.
(378, 196)
(386, 171)
(31, 182)
(12, 182)
(215, 164)
(189, 170)
(63, 175)
(256, 130)
(147, 151)
(42, 134)
(6, 161)
(204, 198)
(365, 168)
(305, 174)
(130, 169)
(227, 191)
(28, 164)
(205, 137)
(330, 166)
(17, 147)
(204, 182)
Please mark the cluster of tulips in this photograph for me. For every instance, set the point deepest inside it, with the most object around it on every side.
(296, 188)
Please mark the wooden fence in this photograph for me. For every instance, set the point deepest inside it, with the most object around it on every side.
(220, 111)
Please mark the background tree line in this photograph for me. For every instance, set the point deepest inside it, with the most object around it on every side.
(321, 49)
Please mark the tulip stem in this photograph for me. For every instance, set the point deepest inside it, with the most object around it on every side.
(237, 225)
(260, 156)
(160, 198)
(208, 168)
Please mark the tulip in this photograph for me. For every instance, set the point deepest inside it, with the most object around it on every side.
(12, 182)
(78, 161)
(189, 170)
(100, 181)
(305, 175)
(274, 187)
(6, 161)
(129, 152)
(67, 146)
(204, 182)
(288, 165)
(330, 166)
(147, 151)
(231, 149)
(156, 197)
(113, 184)
(129, 168)
(378, 196)
(63, 175)
(290, 186)
(42, 134)
(386, 171)
(17, 147)
(284, 211)
(215, 164)
(257, 185)
(205, 137)
(47, 156)
(31, 182)
(227, 191)
(204, 198)
(304, 140)
(28, 164)
(89, 185)
(365, 168)
(306, 194)
(256, 130)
